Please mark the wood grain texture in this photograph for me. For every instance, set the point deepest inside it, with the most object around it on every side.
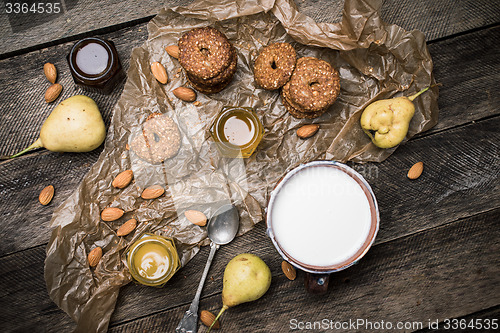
(445, 272)
(79, 18)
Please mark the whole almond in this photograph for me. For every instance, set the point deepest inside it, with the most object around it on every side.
(111, 214)
(196, 217)
(50, 72)
(152, 192)
(173, 51)
(123, 179)
(307, 131)
(159, 72)
(184, 93)
(416, 170)
(53, 92)
(289, 270)
(126, 228)
(94, 256)
(46, 195)
(207, 318)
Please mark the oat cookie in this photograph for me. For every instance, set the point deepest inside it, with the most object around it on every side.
(314, 85)
(204, 52)
(223, 77)
(160, 139)
(274, 65)
(298, 113)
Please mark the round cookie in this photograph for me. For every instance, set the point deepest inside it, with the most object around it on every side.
(160, 139)
(297, 113)
(204, 52)
(226, 75)
(314, 85)
(274, 65)
(208, 89)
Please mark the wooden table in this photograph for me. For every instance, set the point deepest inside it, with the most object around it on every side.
(435, 258)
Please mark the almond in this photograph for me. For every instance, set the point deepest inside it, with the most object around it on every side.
(416, 170)
(53, 92)
(126, 228)
(152, 192)
(207, 318)
(159, 72)
(111, 214)
(123, 179)
(94, 256)
(50, 72)
(289, 270)
(46, 195)
(196, 217)
(307, 131)
(184, 93)
(173, 51)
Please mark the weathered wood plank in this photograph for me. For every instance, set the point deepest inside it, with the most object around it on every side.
(412, 276)
(477, 321)
(78, 18)
(446, 272)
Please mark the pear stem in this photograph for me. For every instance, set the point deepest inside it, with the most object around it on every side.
(37, 144)
(412, 97)
(224, 308)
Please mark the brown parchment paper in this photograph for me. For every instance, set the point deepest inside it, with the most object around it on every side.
(375, 61)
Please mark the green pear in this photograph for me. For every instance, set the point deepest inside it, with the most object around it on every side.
(75, 125)
(246, 278)
(386, 121)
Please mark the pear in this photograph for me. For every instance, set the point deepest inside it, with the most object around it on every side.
(75, 125)
(386, 121)
(246, 278)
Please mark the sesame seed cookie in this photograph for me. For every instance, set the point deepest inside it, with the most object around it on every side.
(274, 65)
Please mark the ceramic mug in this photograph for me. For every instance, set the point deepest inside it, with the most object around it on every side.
(322, 217)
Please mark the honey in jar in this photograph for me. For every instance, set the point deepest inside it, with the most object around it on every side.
(152, 260)
(237, 131)
(94, 64)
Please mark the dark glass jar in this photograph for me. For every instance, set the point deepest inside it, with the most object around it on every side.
(94, 64)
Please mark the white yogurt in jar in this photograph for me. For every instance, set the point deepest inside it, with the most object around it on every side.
(321, 216)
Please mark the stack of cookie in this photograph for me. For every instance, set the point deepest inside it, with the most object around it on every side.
(309, 86)
(208, 58)
(313, 88)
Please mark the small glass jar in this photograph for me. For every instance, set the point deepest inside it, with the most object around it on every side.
(94, 64)
(152, 260)
(237, 131)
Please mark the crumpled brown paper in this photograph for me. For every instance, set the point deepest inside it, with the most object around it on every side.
(375, 61)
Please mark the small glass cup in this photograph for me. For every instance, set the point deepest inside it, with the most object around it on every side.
(152, 260)
(237, 131)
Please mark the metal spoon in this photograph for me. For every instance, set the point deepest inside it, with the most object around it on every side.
(222, 229)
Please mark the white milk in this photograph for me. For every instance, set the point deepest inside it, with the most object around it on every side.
(321, 216)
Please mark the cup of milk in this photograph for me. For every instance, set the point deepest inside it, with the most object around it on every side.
(322, 217)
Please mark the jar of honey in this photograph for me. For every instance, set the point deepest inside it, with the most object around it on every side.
(152, 260)
(237, 131)
(94, 64)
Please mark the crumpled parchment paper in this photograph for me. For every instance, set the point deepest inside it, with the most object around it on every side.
(375, 61)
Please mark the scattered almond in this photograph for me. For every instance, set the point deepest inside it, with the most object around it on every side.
(173, 51)
(289, 270)
(159, 72)
(416, 170)
(307, 131)
(53, 92)
(196, 217)
(46, 195)
(184, 93)
(50, 72)
(126, 228)
(111, 214)
(123, 179)
(207, 318)
(94, 256)
(152, 192)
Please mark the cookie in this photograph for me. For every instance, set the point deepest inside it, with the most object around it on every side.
(298, 113)
(208, 89)
(204, 52)
(274, 65)
(160, 139)
(314, 85)
(223, 77)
